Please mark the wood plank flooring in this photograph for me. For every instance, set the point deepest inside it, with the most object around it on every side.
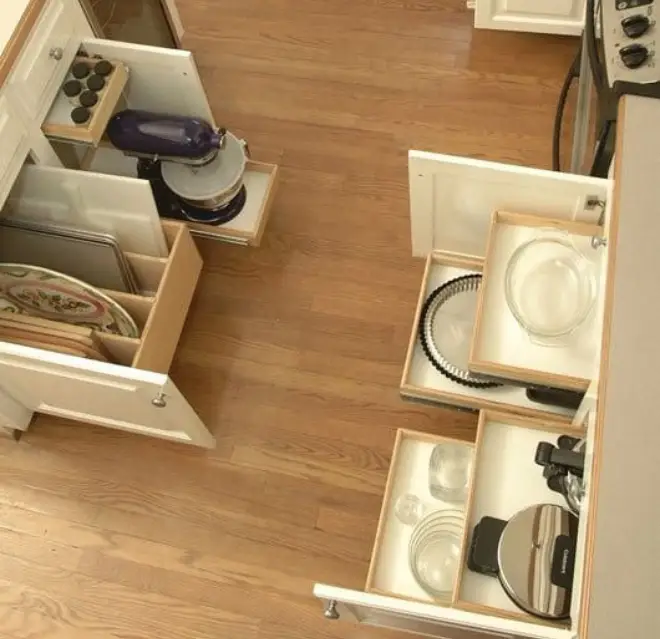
(292, 352)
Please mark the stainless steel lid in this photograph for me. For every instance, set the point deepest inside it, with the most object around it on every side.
(211, 180)
(536, 557)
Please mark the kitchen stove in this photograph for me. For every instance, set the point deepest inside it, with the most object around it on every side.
(630, 45)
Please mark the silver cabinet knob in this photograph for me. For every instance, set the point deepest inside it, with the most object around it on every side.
(159, 401)
(330, 611)
(56, 53)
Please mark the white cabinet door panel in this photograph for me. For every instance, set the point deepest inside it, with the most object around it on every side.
(104, 394)
(426, 619)
(160, 80)
(121, 206)
(452, 199)
(536, 16)
(14, 144)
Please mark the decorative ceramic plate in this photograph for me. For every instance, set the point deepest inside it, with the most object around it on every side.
(44, 293)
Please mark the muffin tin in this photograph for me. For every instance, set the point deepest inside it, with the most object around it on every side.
(82, 116)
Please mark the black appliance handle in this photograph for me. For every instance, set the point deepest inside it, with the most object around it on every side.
(555, 397)
(649, 90)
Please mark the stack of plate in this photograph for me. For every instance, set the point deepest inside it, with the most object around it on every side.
(40, 292)
(435, 552)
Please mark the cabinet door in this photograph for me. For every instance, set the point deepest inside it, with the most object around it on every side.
(14, 144)
(536, 16)
(113, 396)
(121, 206)
(426, 619)
(161, 80)
(452, 199)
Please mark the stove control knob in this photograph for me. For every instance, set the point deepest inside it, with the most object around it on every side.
(634, 55)
(636, 26)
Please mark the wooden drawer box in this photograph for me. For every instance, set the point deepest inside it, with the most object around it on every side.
(501, 347)
(504, 480)
(168, 285)
(421, 381)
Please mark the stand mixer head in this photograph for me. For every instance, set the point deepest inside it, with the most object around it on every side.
(168, 138)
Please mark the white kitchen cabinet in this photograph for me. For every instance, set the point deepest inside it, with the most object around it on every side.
(103, 193)
(136, 394)
(564, 17)
(452, 201)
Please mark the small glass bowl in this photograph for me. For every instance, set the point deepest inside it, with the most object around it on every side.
(409, 509)
(550, 286)
(449, 472)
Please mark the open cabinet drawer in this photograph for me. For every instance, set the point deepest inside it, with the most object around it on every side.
(452, 202)
(504, 479)
(162, 81)
(422, 381)
(131, 390)
(501, 346)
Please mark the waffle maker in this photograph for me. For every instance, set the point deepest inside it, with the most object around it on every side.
(533, 555)
(195, 171)
(563, 468)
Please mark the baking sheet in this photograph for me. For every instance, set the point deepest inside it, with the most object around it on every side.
(94, 258)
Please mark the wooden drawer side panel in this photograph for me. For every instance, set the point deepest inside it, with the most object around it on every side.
(168, 315)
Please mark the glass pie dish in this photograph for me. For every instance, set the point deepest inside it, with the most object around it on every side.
(550, 286)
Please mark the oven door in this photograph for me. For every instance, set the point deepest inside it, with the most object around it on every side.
(593, 108)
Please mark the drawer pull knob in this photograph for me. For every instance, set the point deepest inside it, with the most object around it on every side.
(597, 242)
(56, 53)
(330, 611)
(159, 401)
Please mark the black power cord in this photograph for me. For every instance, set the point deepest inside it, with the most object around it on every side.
(573, 73)
(600, 82)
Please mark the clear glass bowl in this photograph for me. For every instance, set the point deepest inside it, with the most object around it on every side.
(409, 509)
(435, 564)
(449, 472)
(435, 552)
(550, 286)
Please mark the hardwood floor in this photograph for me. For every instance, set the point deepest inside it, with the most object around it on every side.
(292, 352)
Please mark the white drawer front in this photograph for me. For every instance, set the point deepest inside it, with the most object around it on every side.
(13, 146)
(46, 57)
(108, 395)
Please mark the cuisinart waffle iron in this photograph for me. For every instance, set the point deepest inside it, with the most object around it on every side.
(533, 555)
(195, 171)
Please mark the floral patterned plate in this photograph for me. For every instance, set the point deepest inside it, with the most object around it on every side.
(40, 292)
